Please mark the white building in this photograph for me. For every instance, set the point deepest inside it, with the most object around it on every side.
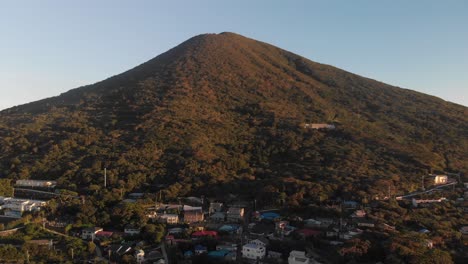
(253, 251)
(168, 218)
(298, 257)
(15, 207)
(440, 179)
(35, 183)
(140, 256)
(262, 242)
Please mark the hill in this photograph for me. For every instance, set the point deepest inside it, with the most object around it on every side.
(222, 112)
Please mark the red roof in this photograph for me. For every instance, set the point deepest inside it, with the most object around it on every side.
(204, 233)
(104, 233)
(308, 232)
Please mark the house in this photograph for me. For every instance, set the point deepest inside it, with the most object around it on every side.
(90, 232)
(253, 251)
(218, 217)
(365, 223)
(319, 126)
(215, 207)
(272, 216)
(261, 241)
(231, 256)
(193, 216)
(218, 254)
(464, 230)
(312, 223)
(140, 256)
(175, 230)
(229, 247)
(308, 233)
(350, 204)
(235, 214)
(104, 234)
(231, 229)
(36, 183)
(298, 257)
(131, 230)
(203, 234)
(15, 207)
(359, 213)
(171, 219)
(440, 179)
(199, 249)
(153, 256)
(332, 232)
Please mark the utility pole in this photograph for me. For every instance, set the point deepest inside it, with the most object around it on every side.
(422, 182)
(105, 177)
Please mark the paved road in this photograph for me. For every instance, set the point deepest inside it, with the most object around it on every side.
(421, 192)
(163, 250)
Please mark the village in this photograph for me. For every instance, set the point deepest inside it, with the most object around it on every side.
(204, 230)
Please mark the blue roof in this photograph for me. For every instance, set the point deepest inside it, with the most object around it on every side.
(270, 215)
(218, 253)
(228, 228)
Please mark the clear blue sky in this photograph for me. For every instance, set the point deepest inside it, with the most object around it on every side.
(49, 47)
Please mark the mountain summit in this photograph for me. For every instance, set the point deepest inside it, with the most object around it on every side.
(225, 111)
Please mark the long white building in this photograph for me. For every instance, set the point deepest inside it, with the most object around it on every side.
(35, 183)
(15, 207)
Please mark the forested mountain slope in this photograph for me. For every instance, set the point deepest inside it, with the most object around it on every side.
(222, 112)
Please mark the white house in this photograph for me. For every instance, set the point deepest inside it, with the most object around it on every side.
(298, 257)
(262, 242)
(253, 251)
(14, 207)
(35, 183)
(140, 256)
(440, 179)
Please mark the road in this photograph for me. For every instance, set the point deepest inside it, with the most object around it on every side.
(427, 191)
(163, 250)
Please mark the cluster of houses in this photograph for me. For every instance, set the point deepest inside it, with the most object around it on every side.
(232, 232)
(15, 207)
(175, 214)
(226, 226)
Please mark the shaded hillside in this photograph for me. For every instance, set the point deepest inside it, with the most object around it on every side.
(225, 111)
